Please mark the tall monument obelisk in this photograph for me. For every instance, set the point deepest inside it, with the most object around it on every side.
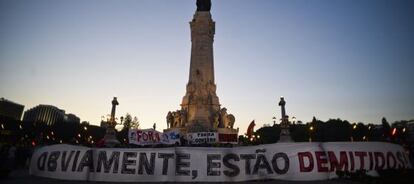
(200, 100)
(284, 125)
(110, 136)
(200, 107)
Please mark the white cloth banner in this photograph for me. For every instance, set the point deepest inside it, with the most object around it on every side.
(283, 161)
(202, 137)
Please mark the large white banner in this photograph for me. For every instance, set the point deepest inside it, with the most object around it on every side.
(284, 161)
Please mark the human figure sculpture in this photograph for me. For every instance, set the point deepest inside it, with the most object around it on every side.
(174, 114)
(216, 120)
(230, 121)
(223, 118)
(183, 117)
(177, 119)
(203, 5)
(170, 120)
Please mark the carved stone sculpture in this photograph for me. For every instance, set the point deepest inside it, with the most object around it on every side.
(223, 118)
(177, 119)
(170, 120)
(203, 5)
(183, 117)
(216, 120)
(230, 121)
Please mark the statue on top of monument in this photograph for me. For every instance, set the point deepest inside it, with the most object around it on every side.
(203, 5)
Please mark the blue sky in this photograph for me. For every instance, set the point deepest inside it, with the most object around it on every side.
(345, 59)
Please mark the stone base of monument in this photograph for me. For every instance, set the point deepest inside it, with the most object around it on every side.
(180, 130)
(227, 131)
(285, 136)
(184, 130)
(110, 138)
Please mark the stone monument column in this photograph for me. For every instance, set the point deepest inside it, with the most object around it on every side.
(200, 101)
(284, 126)
(200, 107)
(110, 135)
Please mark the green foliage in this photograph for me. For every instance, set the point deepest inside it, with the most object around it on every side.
(334, 130)
(129, 122)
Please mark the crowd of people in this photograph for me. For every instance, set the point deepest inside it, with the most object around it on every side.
(14, 156)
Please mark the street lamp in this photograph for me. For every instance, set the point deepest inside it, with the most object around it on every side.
(354, 127)
(310, 133)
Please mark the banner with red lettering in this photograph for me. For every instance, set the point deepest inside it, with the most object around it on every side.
(228, 138)
(280, 161)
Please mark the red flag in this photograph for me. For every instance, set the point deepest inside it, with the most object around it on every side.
(250, 129)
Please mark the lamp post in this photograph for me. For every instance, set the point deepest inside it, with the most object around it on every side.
(310, 133)
(354, 127)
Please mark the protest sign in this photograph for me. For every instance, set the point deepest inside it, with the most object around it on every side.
(202, 138)
(283, 161)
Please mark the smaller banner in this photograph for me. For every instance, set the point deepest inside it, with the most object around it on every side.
(228, 138)
(151, 137)
(202, 137)
(145, 137)
(171, 137)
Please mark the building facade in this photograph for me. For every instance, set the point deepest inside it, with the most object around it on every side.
(11, 109)
(49, 115)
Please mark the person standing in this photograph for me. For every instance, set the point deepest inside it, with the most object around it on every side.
(11, 157)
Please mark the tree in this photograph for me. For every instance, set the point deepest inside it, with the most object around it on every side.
(127, 121)
(130, 122)
(135, 123)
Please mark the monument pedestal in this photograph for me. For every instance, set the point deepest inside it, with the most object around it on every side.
(284, 132)
(180, 130)
(227, 131)
(110, 137)
(285, 135)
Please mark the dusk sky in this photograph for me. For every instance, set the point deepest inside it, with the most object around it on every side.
(347, 59)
